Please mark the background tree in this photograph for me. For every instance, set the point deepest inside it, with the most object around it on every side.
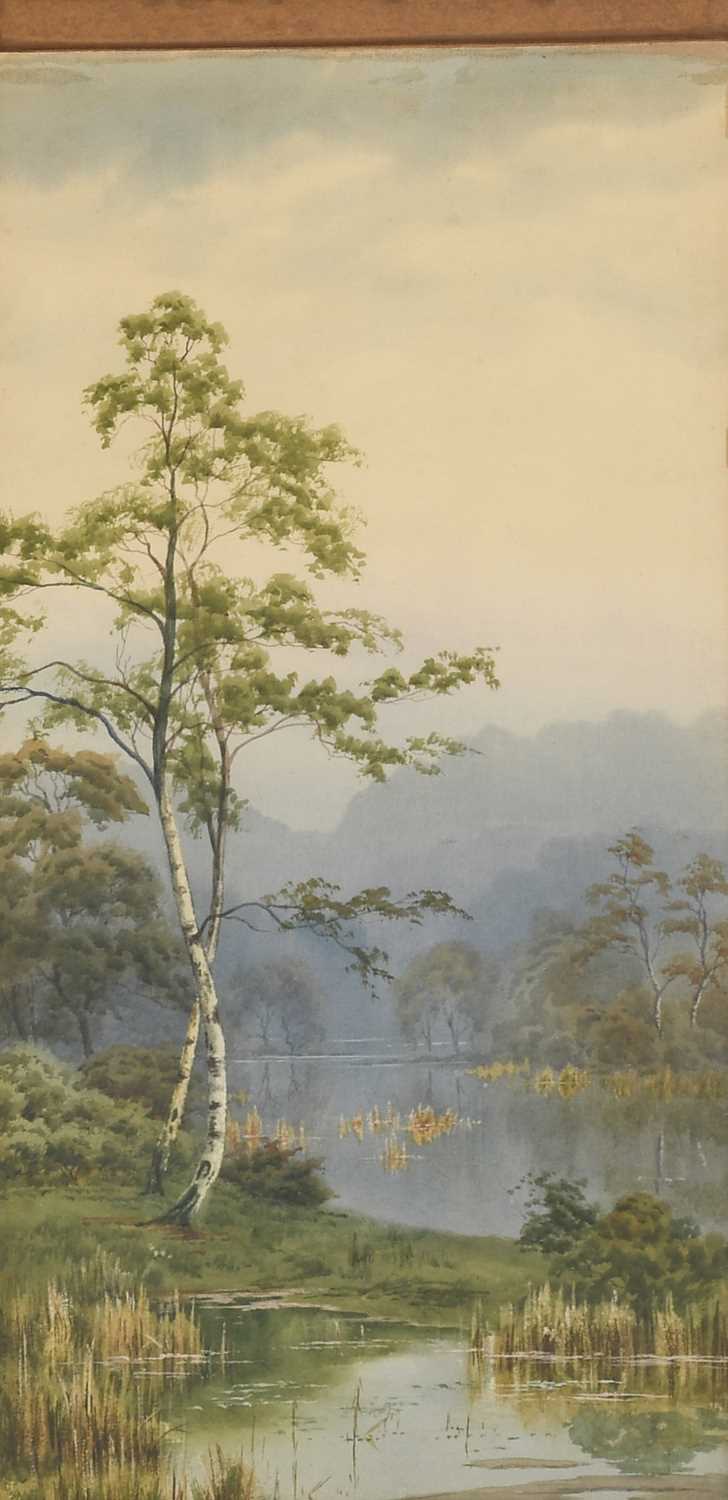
(80, 922)
(630, 918)
(194, 680)
(449, 987)
(693, 914)
(282, 1003)
(557, 1213)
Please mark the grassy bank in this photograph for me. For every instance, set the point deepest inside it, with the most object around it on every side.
(325, 1256)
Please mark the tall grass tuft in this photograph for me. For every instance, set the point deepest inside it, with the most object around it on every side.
(84, 1364)
(550, 1323)
(225, 1480)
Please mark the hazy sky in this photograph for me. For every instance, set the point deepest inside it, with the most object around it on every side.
(504, 274)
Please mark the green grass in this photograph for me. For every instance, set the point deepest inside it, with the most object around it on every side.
(332, 1257)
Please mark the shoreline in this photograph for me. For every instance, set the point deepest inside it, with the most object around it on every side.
(690, 1486)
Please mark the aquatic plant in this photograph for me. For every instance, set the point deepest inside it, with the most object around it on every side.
(628, 1083)
(555, 1323)
(85, 1362)
(225, 1480)
(394, 1157)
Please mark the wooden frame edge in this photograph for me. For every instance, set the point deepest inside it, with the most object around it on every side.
(99, 25)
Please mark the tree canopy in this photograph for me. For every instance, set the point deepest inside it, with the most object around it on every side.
(177, 560)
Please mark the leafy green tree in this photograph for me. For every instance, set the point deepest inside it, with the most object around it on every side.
(557, 1214)
(79, 922)
(448, 986)
(195, 679)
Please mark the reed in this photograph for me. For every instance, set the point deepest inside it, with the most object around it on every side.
(394, 1157)
(628, 1083)
(84, 1366)
(551, 1323)
(226, 1479)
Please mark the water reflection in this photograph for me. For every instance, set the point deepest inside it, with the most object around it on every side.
(462, 1180)
(648, 1442)
(377, 1410)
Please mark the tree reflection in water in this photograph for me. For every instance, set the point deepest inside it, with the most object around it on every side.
(648, 1442)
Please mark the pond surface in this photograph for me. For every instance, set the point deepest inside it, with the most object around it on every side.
(464, 1179)
(324, 1404)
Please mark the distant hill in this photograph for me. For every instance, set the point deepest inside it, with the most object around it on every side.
(519, 825)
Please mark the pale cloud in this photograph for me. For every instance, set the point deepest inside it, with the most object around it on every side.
(522, 332)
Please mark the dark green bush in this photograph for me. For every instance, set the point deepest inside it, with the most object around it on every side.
(280, 1174)
(142, 1075)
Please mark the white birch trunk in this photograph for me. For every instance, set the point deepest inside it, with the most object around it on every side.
(210, 1162)
(178, 1102)
(175, 1114)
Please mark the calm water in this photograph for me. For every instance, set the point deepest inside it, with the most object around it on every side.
(327, 1405)
(464, 1180)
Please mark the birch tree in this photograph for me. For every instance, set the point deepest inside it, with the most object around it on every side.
(629, 916)
(693, 914)
(174, 560)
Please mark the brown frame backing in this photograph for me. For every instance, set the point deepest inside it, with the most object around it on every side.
(58, 25)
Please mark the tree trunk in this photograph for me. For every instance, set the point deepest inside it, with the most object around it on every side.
(18, 1019)
(210, 1162)
(85, 1034)
(695, 1007)
(159, 1164)
(657, 1011)
(452, 1028)
(175, 1114)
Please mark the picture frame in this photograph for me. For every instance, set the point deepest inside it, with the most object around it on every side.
(32, 25)
(493, 1372)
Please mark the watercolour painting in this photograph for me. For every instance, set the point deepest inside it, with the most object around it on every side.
(363, 794)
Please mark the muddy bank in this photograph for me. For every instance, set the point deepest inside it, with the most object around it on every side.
(688, 1486)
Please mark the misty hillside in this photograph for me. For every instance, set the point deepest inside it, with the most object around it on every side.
(517, 827)
(520, 825)
(494, 810)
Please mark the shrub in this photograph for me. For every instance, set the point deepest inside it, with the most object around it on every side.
(140, 1075)
(640, 1252)
(280, 1174)
(53, 1130)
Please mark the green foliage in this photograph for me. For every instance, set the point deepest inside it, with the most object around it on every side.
(53, 1130)
(280, 1174)
(640, 1253)
(557, 1214)
(196, 678)
(209, 473)
(139, 1075)
(78, 920)
(319, 907)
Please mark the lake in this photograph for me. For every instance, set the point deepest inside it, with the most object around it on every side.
(464, 1179)
(327, 1404)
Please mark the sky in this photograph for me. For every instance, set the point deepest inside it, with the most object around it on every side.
(503, 273)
